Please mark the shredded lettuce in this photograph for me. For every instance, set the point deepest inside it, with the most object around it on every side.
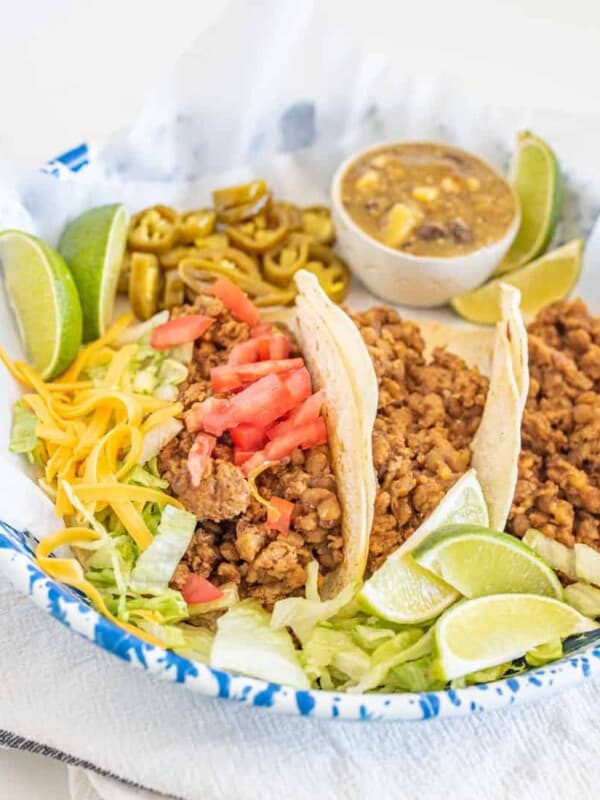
(170, 635)
(413, 676)
(544, 653)
(167, 608)
(370, 638)
(141, 332)
(171, 372)
(23, 438)
(197, 643)
(584, 598)
(83, 512)
(484, 675)
(155, 566)
(330, 650)
(303, 615)
(407, 645)
(246, 642)
(157, 438)
(230, 598)
(157, 372)
(145, 477)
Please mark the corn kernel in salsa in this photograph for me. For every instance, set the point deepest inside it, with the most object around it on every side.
(428, 199)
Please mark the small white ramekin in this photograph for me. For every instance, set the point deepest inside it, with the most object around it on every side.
(405, 278)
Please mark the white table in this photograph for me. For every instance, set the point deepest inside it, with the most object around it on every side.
(72, 71)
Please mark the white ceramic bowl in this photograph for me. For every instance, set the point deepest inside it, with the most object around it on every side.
(405, 278)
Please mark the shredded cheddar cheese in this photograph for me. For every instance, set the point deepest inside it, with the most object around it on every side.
(70, 572)
(254, 488)
(92, 435)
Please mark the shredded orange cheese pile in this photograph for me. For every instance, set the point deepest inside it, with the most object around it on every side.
(91, 437)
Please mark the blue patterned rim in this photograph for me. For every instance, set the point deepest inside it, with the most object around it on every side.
(73, 610)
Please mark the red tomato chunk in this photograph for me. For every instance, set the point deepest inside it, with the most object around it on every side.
(212, 407)
(310, 434)
(238, 303)
(310, 409)
(197, 589)
(199, 456)
(279, 516)
(179, 331)
(227, 378)
(247, 436)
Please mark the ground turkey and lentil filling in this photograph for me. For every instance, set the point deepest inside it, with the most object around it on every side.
(558, 491)
(427, 415)
(231, 542)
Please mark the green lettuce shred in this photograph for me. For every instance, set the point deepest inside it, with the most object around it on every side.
(155, 566)
(23, 438)
(246, 642)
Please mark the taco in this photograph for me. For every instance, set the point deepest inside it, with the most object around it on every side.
(434, 403)
(266, 453)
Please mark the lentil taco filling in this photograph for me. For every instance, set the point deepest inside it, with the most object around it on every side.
(428, 413)
(558, 491)
(236, 539)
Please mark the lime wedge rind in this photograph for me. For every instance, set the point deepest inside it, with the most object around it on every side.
(404, 592)
(545, 280)
(488, 631)
(536, 178)
(43, 296)
(93, 246)
(478, 562)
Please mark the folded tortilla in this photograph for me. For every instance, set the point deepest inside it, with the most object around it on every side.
(337, 354)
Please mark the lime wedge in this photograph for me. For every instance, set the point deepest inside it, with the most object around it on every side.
(93, 246)
(492, 630)
(402, 591)
(542, 282)
(43, 296)
(536, 178)
(477, 562)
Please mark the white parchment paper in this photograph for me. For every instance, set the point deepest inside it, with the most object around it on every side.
(271, 106)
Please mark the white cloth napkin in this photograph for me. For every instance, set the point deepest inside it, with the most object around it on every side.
(67, 695)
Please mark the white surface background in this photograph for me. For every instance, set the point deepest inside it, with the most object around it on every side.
(72, 70)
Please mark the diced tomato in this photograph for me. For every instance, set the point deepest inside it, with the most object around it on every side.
(241, 456)
(238, 303)
(199, 456)
(310, 434)
(263, 329)
(179, 331)
(274, 346)
(279, 346)
(298, 384)
(197, 589)
(218, 420)
(194, 419)
(279, 516)
(263, 347)
(308, 410)
(263, 402)
(227, 378)
(244, 353)
(256, 460)
(247, 436)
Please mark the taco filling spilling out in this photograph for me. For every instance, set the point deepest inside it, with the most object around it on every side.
(252, 464)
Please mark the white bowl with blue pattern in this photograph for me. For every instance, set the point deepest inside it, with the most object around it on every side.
(582, 654)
